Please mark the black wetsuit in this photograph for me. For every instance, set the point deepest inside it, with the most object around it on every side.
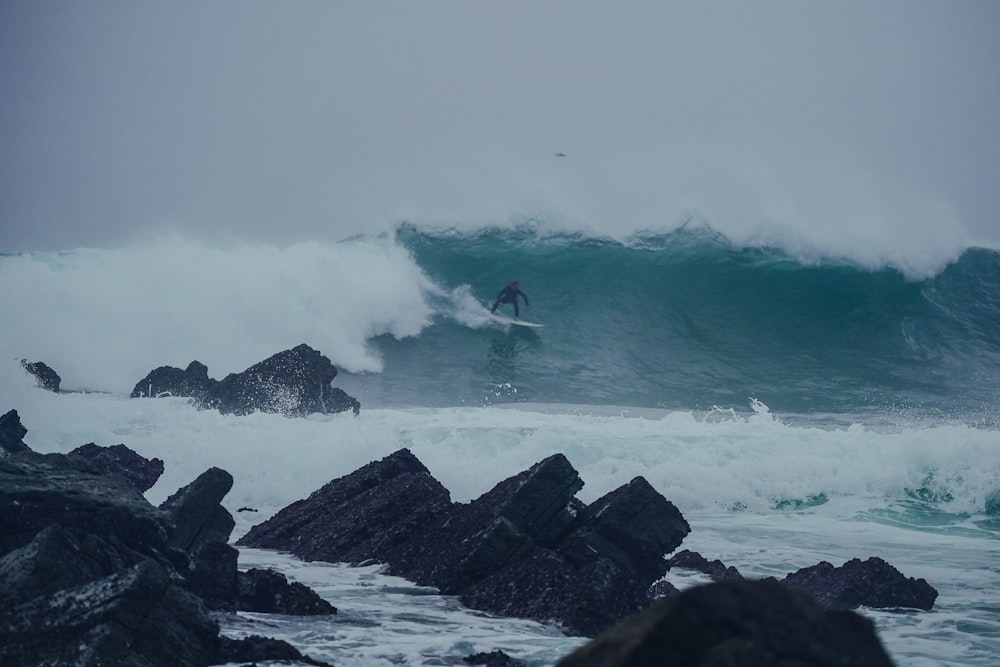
(509, 294)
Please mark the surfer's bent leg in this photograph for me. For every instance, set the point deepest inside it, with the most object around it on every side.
(517, 313)
(495, 304)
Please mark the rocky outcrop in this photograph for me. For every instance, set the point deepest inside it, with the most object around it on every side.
(871, 583)
(353, 518)
(12, 434)
(140, 472)
(740, 623)
(192, 381)
(270, 592)
(91, 573)
(47, 378)
(295, 383)
(527, 548)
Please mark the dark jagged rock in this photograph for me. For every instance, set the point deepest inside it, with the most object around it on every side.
(295, 383)
(136, 616)
(196, 513)
(739, 624)
(39, 490)
(258, 649)
(200, 526)
(88, 574)
(354, 518)
(47, 378)
(526, 548)
(492, 659)
(192, 381)
(140, 472)
(872, 583)
(692, 560)
(270, 592)
(212, 575)
(12, 433)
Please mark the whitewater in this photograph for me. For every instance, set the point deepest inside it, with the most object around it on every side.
(795, 406)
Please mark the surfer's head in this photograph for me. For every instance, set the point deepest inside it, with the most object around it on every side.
(514, 283)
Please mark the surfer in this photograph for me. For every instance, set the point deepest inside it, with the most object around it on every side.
(509, 294)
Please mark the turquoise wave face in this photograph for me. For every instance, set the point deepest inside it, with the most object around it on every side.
(687, 321)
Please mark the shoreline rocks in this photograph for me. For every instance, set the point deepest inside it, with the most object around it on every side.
(91, 573)
(527, 548)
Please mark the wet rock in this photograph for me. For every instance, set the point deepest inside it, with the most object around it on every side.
(196, 512)
(526, 548)
(871, 583)
(89, 573)
(201, 526)
(354, 519)
(47, 378)
(40, 490)
(135, 616)
(142, 473)
(270, 592)
(692, 560)
(294, 383)
(192, 381)
(739, 624)
(12, 433)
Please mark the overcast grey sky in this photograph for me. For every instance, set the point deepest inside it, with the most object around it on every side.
(285, 121)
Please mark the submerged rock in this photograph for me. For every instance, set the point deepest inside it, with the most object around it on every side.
(270, 592)
(871, 583)
(737, 623)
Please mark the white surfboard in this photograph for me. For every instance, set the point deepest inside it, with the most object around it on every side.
(511, 320)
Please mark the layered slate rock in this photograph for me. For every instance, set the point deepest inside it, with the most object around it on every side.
(295, 383)
(140, 472)
(270, 592)
(12, 433)
(192, 382)
(526, 548)
(871, 583)
(37, 491)
(47, 378)
(355, 518)
(738, 623)
(200, 526)
(90, 571)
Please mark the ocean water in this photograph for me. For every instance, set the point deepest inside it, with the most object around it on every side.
(796, 407)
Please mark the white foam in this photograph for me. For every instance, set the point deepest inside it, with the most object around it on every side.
(105, 318)
(724, 472)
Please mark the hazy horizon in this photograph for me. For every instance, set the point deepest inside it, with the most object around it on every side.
(855, 124)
